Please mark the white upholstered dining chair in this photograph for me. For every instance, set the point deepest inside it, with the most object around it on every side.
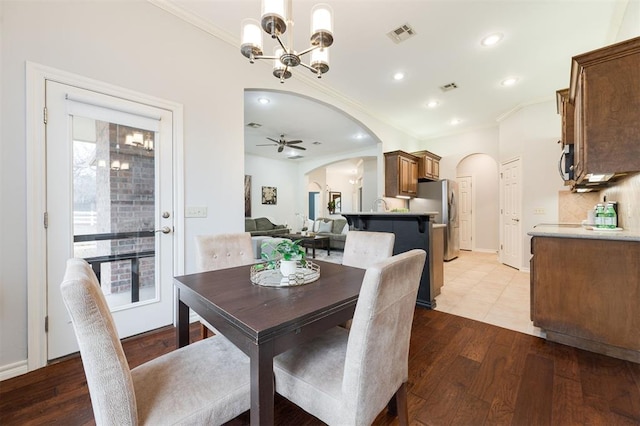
(206, 382)
(347, 377)
(222, 251)
(363, 248)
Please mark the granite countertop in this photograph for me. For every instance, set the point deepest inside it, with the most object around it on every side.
(407, 214)
(569, 230)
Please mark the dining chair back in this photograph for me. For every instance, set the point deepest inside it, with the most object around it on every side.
(222, 251)
(203, 383)
(347, 377)
(363, 248)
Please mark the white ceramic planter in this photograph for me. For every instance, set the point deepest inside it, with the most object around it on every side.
(288, 267)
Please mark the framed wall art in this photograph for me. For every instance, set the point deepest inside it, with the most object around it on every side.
(269, 195)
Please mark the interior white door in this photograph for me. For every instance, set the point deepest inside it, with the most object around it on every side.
(109, 190)
(510, 199)
(465, 212)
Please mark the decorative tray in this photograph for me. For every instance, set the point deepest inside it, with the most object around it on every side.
(268, 274)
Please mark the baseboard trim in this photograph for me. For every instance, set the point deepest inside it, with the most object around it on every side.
(16, 369)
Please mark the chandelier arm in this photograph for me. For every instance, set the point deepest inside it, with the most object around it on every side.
(304, 52)
(286, 50)
(309, 67)
(266, 57)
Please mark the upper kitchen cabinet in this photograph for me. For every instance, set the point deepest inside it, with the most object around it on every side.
(566, 111)
(605, 91)
(428, 165)
(401, 174)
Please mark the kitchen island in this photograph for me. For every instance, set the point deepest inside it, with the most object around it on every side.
(585, 288)
(412, 230)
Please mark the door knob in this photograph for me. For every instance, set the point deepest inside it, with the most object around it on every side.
(164, 230)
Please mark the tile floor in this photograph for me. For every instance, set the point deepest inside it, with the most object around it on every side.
(478, 287)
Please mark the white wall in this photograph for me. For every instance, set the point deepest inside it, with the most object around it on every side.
(483, 170)
(138, 46)
(532, 133)
(283, 174)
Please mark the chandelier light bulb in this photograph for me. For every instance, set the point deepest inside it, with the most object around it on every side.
(320, 61)
(251, 38)
(321, 25)
(274, 17)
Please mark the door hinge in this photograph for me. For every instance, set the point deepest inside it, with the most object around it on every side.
(46, 220)
(500, 246)
(45, 115)
(46, 324)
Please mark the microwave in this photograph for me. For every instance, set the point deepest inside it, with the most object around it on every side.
(565, 164)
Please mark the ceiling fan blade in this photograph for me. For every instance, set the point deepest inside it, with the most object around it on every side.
(280, 148)
(292, 142)
(273, 140)
(298, 147)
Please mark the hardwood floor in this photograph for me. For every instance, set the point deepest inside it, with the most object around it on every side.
(461, 372)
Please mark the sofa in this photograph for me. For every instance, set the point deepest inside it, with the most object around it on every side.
(335, 229)
(261, 226)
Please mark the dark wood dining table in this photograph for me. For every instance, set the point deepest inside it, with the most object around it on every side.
(266, 321)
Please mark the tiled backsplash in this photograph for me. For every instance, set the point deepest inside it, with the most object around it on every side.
(627, 194)
(573, 207)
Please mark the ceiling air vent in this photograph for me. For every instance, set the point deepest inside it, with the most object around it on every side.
(254, 125)
(448, 87)
(295, 157)
(401, 33)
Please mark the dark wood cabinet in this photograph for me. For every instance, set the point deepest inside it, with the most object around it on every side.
(605, 91)
(428, 165)
(590, 302)
(401, 174)
(566, 111)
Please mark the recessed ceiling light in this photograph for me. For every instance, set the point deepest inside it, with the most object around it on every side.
(509, 81)
(263, 101)
(455, 121)
(491, 39)
(398, 76)
(433, 104)
(359, 136)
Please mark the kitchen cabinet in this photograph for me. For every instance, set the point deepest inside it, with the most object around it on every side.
(428, 165)
(605, 91)
(401, 174)
(590, 302)
(566, 111)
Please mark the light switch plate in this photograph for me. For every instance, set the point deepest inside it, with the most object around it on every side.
(195, 211)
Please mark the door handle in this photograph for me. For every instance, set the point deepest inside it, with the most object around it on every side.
(516, 220)
(164, 230)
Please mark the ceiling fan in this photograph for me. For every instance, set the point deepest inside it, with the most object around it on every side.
(281, 143)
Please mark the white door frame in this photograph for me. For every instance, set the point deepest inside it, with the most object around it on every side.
(36, 75)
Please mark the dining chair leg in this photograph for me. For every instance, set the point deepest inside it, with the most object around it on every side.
(398, 405)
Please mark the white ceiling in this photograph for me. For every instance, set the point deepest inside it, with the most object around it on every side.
(539, 39)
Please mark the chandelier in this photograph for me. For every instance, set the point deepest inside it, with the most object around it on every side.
(276, 17)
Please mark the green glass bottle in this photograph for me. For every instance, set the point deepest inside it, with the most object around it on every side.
(610, 217)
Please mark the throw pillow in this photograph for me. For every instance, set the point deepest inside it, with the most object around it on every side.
(345, 229)
(325, 227)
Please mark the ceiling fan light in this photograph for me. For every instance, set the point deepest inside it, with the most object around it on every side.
(274, 17)
(251, 38)
(321, 25)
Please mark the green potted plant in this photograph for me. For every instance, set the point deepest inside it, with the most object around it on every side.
(331, 205)
(289, 252)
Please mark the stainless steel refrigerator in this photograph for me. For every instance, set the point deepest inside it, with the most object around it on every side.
(441, 196)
